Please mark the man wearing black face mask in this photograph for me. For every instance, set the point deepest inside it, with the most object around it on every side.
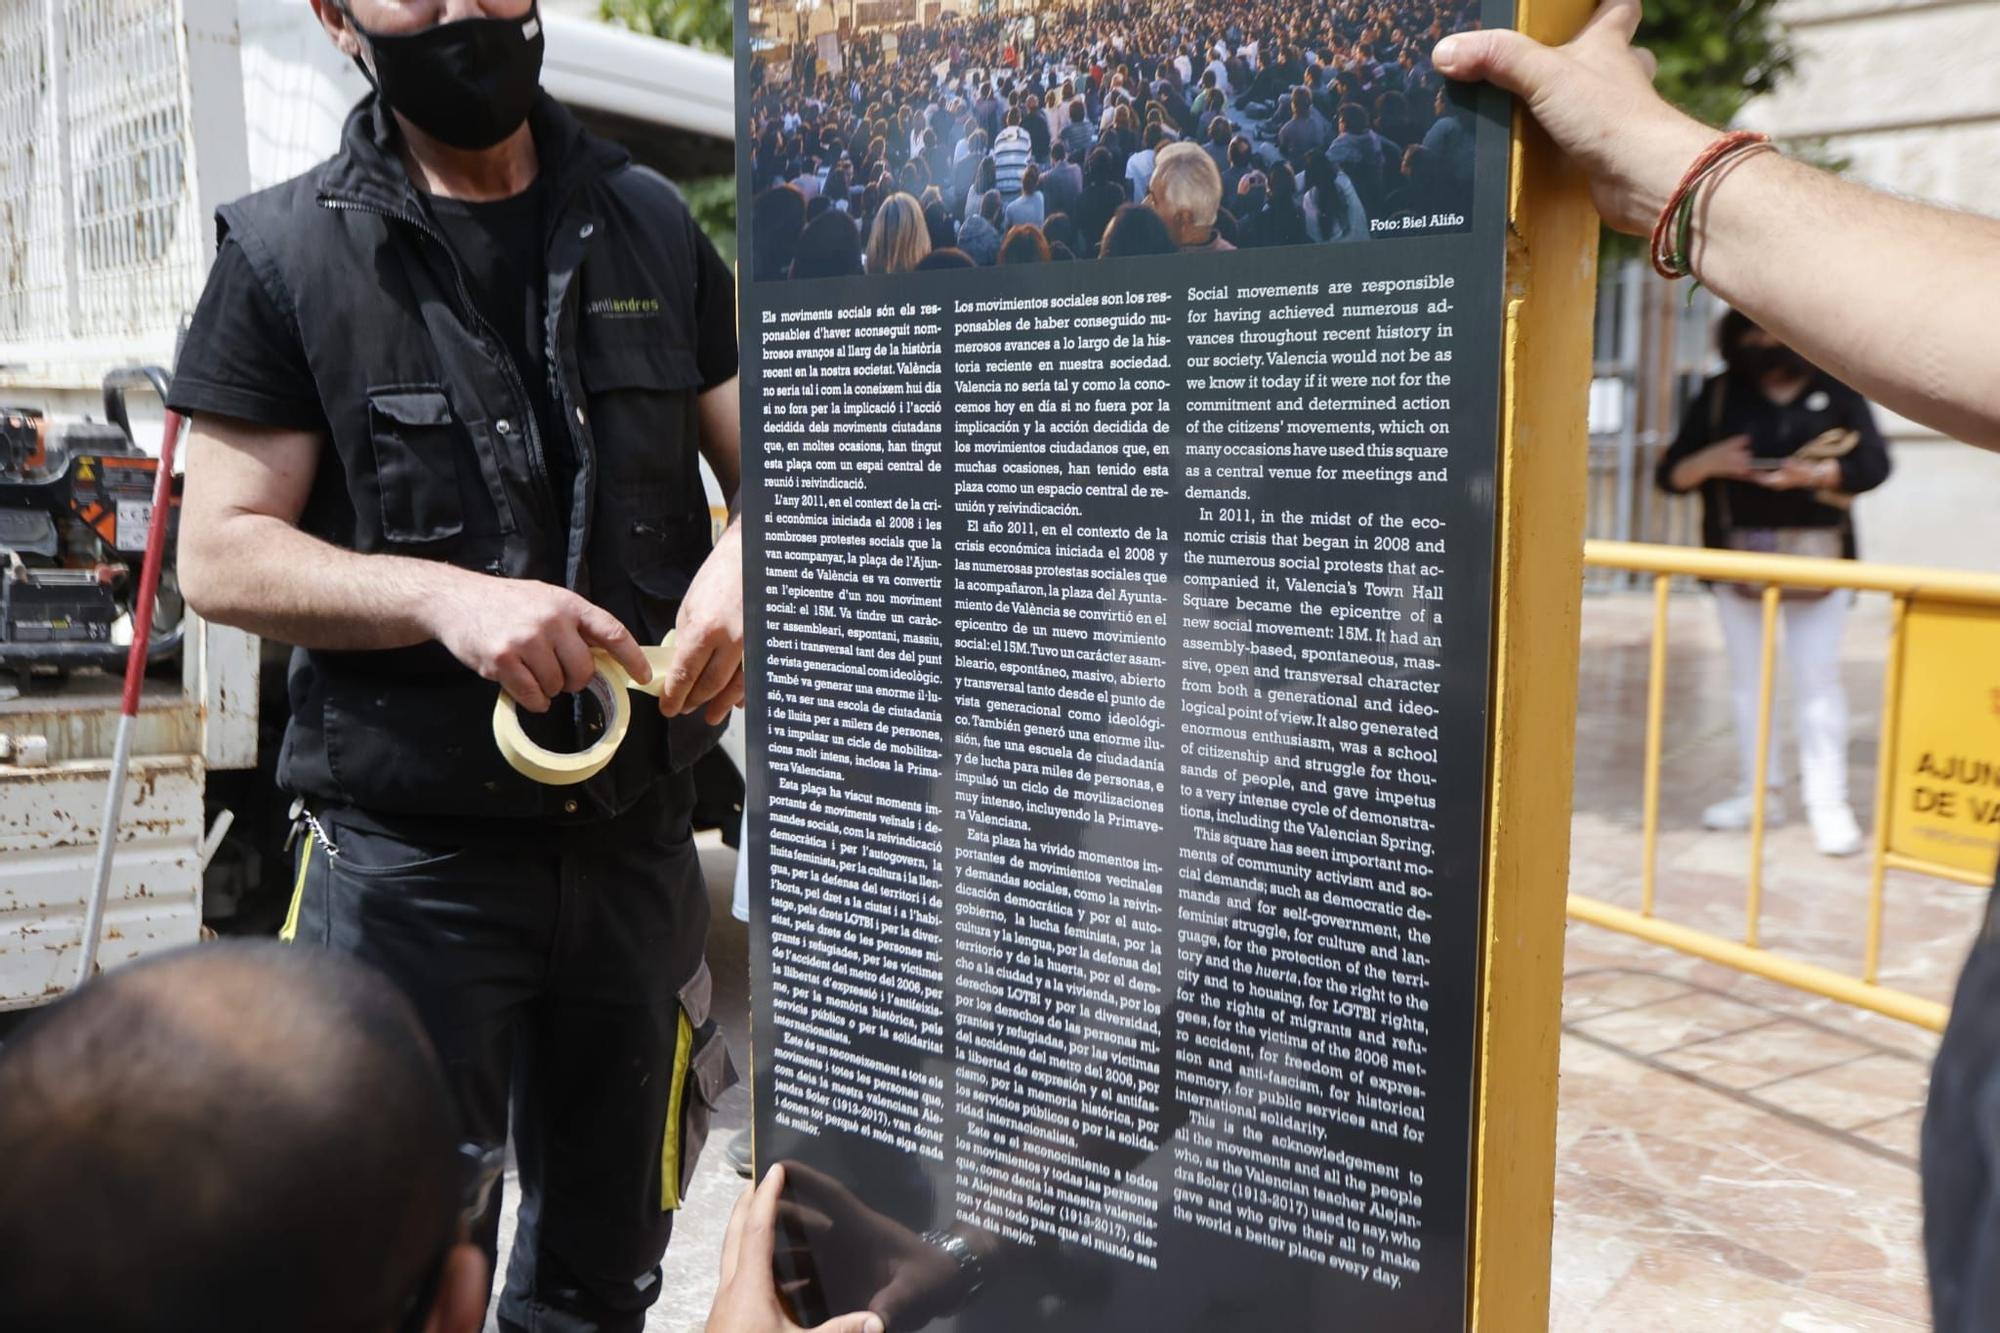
(448, 391)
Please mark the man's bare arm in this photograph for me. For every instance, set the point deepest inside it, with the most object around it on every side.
(244, 562)
(1894, 297)
(721, 439)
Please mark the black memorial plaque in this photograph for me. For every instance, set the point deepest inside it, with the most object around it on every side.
(1120, 638)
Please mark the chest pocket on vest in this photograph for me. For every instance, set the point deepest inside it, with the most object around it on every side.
(424, 458)
(643, 415)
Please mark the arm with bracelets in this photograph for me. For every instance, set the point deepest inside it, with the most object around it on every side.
(1891, 296)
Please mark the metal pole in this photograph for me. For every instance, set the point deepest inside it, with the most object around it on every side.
(1885, 770)
(1656, 707)
(128, 713)
(1759, 794)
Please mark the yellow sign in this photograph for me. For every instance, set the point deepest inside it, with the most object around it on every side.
(1945, 794)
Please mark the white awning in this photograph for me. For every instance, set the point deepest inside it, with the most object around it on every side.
(611, 69)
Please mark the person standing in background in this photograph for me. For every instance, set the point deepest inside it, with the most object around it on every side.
(1778, 449)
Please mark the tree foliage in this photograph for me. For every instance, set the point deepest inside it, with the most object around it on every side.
(705, 24)
(1716, 57)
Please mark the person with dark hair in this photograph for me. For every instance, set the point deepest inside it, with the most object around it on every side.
(1449, 142)
(1012, 154)
(1251, 192)
(1332, 207)
(1029, 208)
(1037, 127)
(1079, 136)
(1281, 221)
(1136, 230)
(1139, 167)
(1061, 231)
(1227, 229)
(937, 221)
(1420, 188)
(1217, 146)
(829, 247)
(819, 204)
(1396, 122)
(1365, 157)
(1103, 195)
(980, 236)
(837, 190)
(965, 171)
(933, 153)
(777, 216)
(1777, 450)
(1062, 183)
(338, 353)
(947, 256)
(1306, 132)
(1055, 110)
(1024, 245)
(1242, 161)
(983, 183)
(986, 111)
(1122, 139)
(235, 1138)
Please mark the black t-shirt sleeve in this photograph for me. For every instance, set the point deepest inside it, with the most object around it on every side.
(1697, 420)
(1867, 465)
(242, 356)
(714, 313)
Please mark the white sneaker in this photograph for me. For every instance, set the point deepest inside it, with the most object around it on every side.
(1733, 815)
(1834, 831)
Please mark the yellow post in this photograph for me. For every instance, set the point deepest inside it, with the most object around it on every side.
(1551, 266)
(1760, 792)
(1885, 769)
(1656, 709)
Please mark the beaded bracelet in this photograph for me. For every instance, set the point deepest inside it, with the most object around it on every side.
(1673, 234)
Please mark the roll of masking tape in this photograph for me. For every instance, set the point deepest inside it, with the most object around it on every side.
(609, 687)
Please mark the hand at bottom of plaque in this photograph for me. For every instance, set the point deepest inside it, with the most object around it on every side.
(747, 1299)
(866, 1260)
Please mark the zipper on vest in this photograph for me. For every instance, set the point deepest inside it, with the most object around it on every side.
(524, 405)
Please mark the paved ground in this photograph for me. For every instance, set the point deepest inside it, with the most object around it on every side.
(1732, 1155)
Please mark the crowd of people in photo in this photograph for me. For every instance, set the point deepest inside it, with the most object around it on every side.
(1117, 131)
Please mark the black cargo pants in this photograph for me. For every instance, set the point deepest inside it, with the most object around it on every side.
(562, 976)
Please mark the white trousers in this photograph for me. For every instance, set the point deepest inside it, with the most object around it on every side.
(1811, 654)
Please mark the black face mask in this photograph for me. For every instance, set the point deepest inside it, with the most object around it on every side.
(467, 84)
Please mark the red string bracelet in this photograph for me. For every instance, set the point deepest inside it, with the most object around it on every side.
(1669, 248)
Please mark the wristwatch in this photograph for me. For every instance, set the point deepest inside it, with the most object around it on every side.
(971, 1270)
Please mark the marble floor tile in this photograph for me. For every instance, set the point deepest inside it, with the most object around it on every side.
(1774, 1048)
(1733, 1154)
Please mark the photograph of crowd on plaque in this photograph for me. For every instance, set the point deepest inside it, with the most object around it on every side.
(893, 137)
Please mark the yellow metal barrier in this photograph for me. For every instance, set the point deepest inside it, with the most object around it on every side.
(1907, 587)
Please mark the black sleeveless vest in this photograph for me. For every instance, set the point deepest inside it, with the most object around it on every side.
(434, 452)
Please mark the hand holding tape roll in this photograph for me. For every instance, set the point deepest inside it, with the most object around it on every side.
(609, 687)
